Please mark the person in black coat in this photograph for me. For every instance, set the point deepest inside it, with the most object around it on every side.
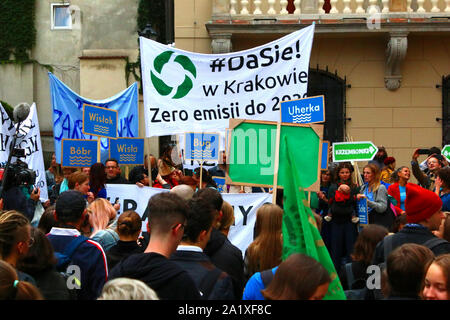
(129, 227)
(213, 283)
(424, 215)
(166, 221)
(223, 254)
(113, 173)
(40, 263)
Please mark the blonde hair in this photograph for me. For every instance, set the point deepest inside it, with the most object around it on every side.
(376, 182)
(265, 251)
(127, 289)
(100, 212)
(227, 218)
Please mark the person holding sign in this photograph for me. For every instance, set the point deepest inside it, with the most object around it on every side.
(342, 231)
(377, 197)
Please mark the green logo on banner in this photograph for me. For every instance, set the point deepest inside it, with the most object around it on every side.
(164, 89)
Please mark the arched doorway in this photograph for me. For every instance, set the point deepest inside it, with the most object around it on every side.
(333, 87)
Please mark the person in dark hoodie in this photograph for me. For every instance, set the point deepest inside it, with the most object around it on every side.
(166, 222)
(223, 254)
(213, 283)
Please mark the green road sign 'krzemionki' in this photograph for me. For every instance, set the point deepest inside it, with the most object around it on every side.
(446, 151)
(354, 151)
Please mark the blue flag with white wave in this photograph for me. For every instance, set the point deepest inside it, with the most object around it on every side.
(68, 114)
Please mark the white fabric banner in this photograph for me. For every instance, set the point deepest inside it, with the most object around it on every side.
(29, 139)
(132, 197)
(193, 92)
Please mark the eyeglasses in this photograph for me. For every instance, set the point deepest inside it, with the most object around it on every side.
(111, 167)
(177, 224)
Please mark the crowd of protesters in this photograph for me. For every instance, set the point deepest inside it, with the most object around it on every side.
(80, 248)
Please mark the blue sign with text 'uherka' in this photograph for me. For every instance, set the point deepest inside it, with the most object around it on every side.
(307, 110)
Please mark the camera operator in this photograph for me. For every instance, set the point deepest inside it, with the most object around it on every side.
(19, 193)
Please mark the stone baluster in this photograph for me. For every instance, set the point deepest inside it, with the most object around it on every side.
(257, 7)
(408, 6)
(420, 7)
(271, 7)
(385, 6)
(359, 8)
(232, 6)
(298, 9)
(435, 8)
(244, 4)
(347, 6)
(283, 4)
(373, 7)
(447, 8)
(321, 4)
(334, 9)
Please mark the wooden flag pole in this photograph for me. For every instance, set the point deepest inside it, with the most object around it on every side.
(201, 174)
(99, 152)
(277, 159)
(149, 163)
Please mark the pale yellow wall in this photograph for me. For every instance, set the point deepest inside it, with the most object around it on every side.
(401, 120)
(110, 73)
(190, 19)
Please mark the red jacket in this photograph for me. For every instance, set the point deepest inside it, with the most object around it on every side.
(394, 191)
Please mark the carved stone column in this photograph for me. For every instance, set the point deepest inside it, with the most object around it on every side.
(395, 54)
(221, 43)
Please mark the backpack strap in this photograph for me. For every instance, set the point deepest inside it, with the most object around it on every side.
(349, 273)
(387, 247)
(434, 242)
(266, 277)
(73, 245)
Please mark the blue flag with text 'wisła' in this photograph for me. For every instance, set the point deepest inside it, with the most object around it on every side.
(300, 232)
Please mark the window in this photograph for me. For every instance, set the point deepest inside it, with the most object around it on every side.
(61, 17)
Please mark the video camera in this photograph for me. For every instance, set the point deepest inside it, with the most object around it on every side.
(18, 173)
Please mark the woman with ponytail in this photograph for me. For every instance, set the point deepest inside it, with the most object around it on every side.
(129, 227)
(11, 288)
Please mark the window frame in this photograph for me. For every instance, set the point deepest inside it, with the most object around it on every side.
(52, 16)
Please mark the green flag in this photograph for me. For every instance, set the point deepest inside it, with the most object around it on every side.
(300, 233)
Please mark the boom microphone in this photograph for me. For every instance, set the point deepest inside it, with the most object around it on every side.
(21, 112)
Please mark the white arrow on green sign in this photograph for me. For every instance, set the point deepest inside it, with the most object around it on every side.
(354, 151)
(446, 151)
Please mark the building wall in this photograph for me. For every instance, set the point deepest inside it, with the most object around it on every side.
(90, 58)
(401, 120)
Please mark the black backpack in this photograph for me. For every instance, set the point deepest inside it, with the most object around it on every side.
(352, 294)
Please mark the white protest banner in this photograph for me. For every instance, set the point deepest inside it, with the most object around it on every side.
(29, 139)
(132, 197)
(186, 91)
(245, 206)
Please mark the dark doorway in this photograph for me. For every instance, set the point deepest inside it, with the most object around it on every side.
(322, 82)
